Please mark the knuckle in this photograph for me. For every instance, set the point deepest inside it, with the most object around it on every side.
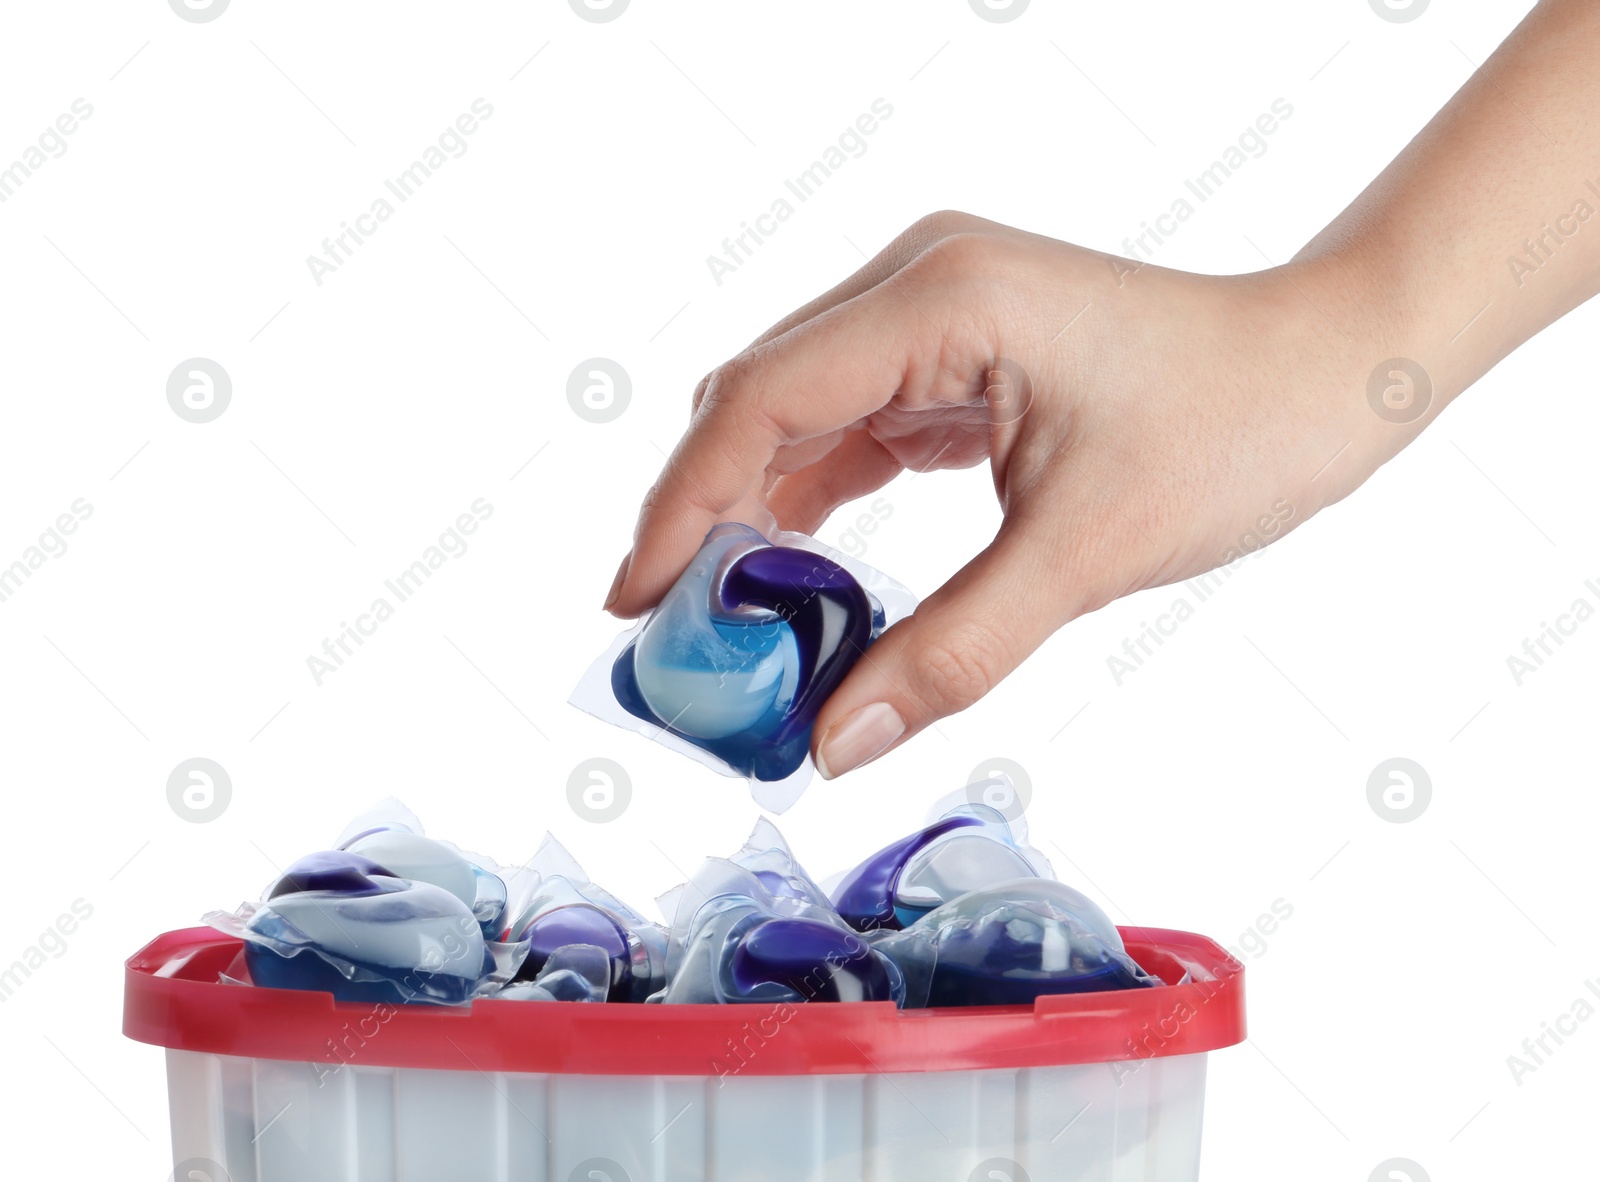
(941, 224)
(659, 494)
(650, 506)
(733, 393)
(727, 385)
(956, 256)
(700, 389)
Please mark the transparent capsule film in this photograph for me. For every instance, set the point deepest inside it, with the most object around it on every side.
(914, 874)
(945, 870)
(738, 952)
(572, 912)
(344, 921)
(574, 972)
(767, 855)
(775, 888)
(399, 845)
(388, 813)
(755, 928)
(1006, 945)
(392, 941)
(997, 800)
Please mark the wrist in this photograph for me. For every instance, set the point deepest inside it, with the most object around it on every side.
(1359, 350)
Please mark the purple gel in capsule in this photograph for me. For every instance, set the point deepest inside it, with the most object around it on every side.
(578, 924)
(818, 961)
(331, 870)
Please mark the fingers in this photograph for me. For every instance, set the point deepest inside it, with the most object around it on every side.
(958, 645)
(914, 241)
(804, 499)
(820, 377)
(922, 234)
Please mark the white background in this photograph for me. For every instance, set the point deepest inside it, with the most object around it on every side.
(369, 411)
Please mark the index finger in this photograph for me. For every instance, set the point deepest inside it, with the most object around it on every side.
(817, 378)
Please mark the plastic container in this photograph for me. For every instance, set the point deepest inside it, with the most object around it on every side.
(272, 1085)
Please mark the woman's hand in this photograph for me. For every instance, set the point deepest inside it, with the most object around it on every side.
(1142, 426)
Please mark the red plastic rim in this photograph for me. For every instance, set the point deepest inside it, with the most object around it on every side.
(174, 997)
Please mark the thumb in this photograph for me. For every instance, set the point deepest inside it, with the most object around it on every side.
(957, 647)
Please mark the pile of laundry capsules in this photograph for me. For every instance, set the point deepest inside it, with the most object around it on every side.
(962, 912)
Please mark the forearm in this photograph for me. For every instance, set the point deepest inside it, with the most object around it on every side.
(1487, 227)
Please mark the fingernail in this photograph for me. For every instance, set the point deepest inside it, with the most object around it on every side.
(863, 735)
(616, 583)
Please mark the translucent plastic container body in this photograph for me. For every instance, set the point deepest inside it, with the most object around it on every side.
(270, 1085)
